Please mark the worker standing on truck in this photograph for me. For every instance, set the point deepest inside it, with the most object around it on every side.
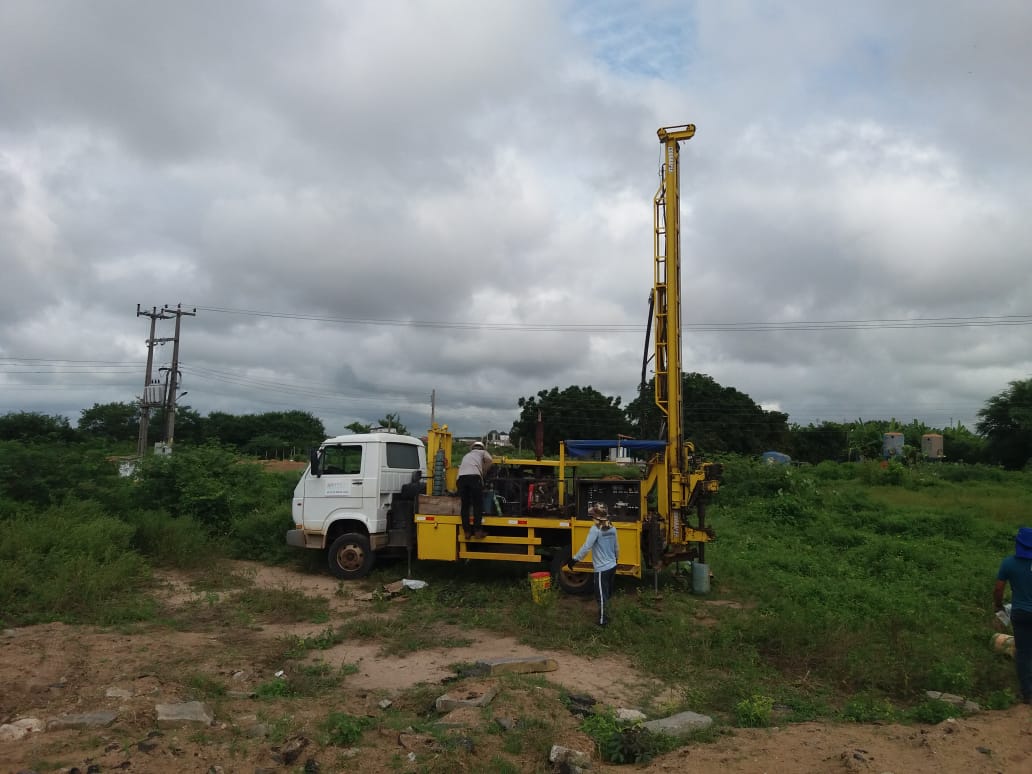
(605, 552)
(472, 469)
(1017, 570)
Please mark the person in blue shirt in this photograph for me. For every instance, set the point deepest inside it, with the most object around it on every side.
(605, 552)
(1017, 571)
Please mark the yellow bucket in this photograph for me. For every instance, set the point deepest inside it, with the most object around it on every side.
(540, 586)
(1003, 643)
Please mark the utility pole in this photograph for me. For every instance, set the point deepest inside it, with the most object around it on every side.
(173, 379)
(149, 399)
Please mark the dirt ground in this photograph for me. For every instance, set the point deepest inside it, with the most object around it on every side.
(58, 672)
(284, 466)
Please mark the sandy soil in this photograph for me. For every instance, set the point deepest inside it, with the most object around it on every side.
(284, 466)
(55, 671)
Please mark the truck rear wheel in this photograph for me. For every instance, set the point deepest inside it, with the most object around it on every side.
(350, 557)
(570, 582)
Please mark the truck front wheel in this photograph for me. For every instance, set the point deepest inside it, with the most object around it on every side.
(350, 557)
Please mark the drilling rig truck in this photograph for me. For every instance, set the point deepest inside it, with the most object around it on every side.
(382, 492)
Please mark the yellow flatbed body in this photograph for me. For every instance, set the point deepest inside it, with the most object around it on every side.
(518, 539)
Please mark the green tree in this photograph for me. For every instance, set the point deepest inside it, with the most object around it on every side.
(865, 439)
(912, 432)
(111, 421)
(294, 429)
(716, 418)
(393, 421)
(961, 445)
(33, 426)
(267, 446)
(576, 412)
(206, 483)
(817, 443)
(1006, 423)
(190, 426)
(229, 429)
(297, 429)
(44, 473)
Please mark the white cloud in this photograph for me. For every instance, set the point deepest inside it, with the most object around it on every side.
(471, 173)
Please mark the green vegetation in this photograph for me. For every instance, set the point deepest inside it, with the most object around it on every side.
(342, 729)
(852, 589)
(391, 421)
(848, 589)
(718, 419)
(754, 712)
(276, 434)
(1006, 422)
(78, 542)
(876, 582)
(576, 412)
(619, 742)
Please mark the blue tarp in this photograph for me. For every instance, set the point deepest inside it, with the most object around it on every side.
(775, 458)
(586, 448)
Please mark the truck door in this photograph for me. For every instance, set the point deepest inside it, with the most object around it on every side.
(342, 485)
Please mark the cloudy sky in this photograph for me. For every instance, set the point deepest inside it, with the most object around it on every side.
(367, 202)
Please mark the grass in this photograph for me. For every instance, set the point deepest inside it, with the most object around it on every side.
(857, 592)
(858, 588)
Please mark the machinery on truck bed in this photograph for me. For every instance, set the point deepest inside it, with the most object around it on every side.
(381, 492)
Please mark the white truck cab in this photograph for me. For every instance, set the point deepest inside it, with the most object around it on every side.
(342, 502)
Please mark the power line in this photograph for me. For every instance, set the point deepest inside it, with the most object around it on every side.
(332, 392)
(979, 321)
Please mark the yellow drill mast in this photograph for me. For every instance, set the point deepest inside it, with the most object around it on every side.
(679, 482)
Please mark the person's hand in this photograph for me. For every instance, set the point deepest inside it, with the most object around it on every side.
(570, 563)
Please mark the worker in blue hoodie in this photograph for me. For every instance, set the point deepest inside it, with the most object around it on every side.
(1017, 571)
(605, 552)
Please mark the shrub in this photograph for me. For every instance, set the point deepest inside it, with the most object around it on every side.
(893, 473)
(865, 708)
(44, 474)
(964, 473)
(744, 478)
(789, 509)
(754, 712)
(259, 534)
(342, 729)
(834, 471)
(274, 689)
(169, 542)
(618, 742)
(951, 675)
(933, 711)
(209, 484)
(70, 563)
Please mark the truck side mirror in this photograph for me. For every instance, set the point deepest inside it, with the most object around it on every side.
(313, 458)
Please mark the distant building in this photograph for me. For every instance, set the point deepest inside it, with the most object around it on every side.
(931, 446)
(892, 445)
(620, 454)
